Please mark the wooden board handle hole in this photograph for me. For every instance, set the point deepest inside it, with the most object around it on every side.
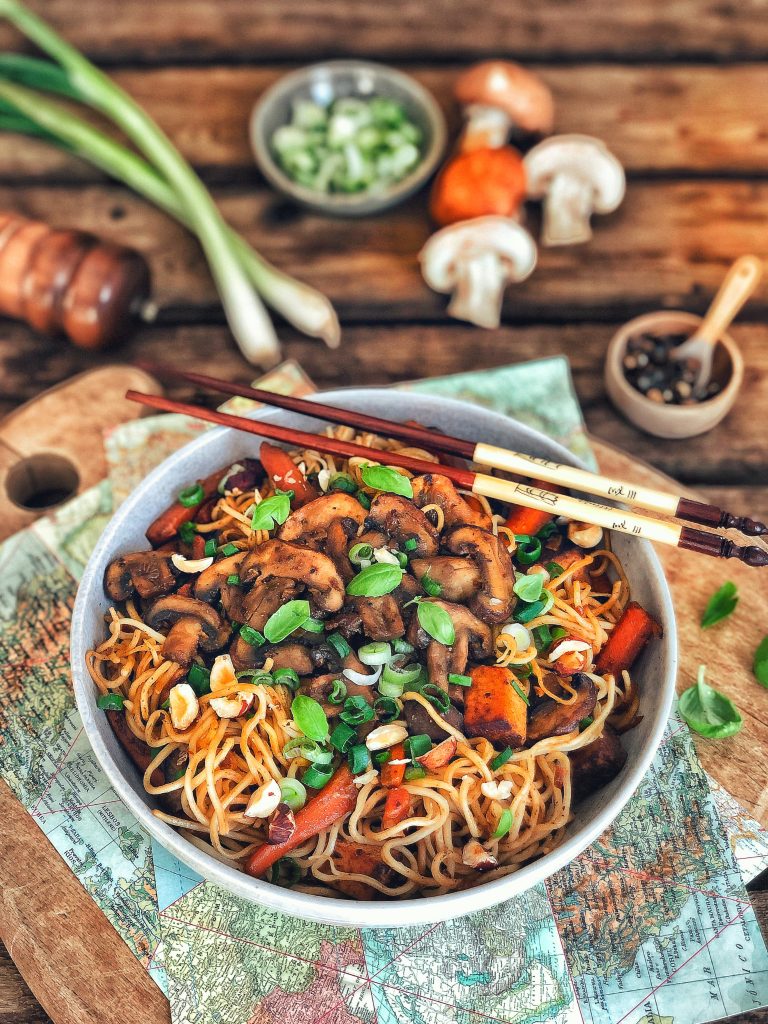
(41, 481)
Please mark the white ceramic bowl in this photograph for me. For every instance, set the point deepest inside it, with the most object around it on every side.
(655, 672)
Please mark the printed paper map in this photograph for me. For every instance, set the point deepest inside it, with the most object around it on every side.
(654, 917)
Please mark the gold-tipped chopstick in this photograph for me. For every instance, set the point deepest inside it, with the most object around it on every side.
(489, 455)
(527, 495)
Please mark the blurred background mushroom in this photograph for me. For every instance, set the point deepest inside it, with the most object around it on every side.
(502, 100)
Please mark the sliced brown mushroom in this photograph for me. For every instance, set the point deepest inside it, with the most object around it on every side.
(142, 574)
(337, 543)
(458, 578)
(473, 637)
(550, 718)
(189, 624)
(420, 721)
(595, 765)
(314, 570)
(286, 655)
(434, 489)
(380, 617)
(265, 597)
(403, 522)
(494, 600)
(309, 524)
(212, 584)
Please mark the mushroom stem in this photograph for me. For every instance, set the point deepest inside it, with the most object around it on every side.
(567, 209)
(479, 290)
(485, 126)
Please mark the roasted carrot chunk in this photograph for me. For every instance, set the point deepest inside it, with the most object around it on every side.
(493, 708)
(627, 639)
(285, 474)
(528, 521)
(393, 774)
(168, 523)
(336, 800)
(396, 807)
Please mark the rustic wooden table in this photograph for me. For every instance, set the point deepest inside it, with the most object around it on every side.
(678, 90)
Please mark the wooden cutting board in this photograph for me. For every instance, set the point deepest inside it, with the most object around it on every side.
(69, 954)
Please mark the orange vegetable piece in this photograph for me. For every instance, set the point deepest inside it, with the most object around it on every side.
(168, 523)
(479, 183)
(493, 708)
(626, 640)
(396, 807)
(334, 801)
(393, 774)
(528, 521)
(285, 474)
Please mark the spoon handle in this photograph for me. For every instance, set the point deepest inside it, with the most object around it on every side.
(739, 283)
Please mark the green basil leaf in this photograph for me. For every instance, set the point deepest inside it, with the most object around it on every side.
(709, 712)
(436, 621)
(271, 512)
(382, 478)
(286, 620)
(529, 588)
(309, 716)
(376, 580)
(720, 605)
(760, 664)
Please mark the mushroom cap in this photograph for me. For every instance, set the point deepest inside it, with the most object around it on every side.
(442, 253)
(167, 611)
(521, 94)
(584, 157)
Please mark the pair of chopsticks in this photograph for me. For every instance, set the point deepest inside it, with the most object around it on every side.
(526, 494)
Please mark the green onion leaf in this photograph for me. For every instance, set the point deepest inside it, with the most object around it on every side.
(529, 551)
(585, 723)
(187, 532)
(286, 620)
(251, 636)
(431, 587)
(382, 478)
(458, 680)
(382, 756)
(709, 712)
(531, 611)
(234, 580)
(411, 544)
(402, 559)
(199, 678)
(271, 512)
(437, 697)
(255, 676)
(436, 621)
(760, 662)
(191, 496)
(417, 746)
(505, 824)
(400, 646)
(316, 776)
(309, 717)
(364, 500)
(286, 677)
(339, 644)
(229, 549)
(554, 569)
(359, 758)
(387, 709)
(722, 604)
(356, 711)
(520, 693)
(343, 737)
(338, 692)
(293, 793)
(547, 530)
(378, 652)
(529, 588)
(314, 625)
(110, 702)
(210, 548)
(360, 553)
(415, 771)
(501, 759)
(302, 746)
(376, 580)
(542, 637)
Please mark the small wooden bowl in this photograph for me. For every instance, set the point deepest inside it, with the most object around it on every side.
(672, 421)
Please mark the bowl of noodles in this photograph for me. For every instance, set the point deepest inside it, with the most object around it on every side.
(358, 695)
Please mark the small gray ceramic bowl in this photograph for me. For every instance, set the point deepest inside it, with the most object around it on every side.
(655, 671)
(343, 78)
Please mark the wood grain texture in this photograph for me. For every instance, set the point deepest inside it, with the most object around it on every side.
(196, 30)
(666, 119)
(733, 455)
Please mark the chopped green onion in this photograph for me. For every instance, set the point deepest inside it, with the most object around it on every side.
(343, 737)
(286, 620)
(400, 646)
(293, 793)
(554, 569)
(377, 653)
(529, 588)
(314, 625)
(437, 697)
(585, 723)
(187, 532)
(505, 824)
(309, 749)
(411, 544)
(416, 746)
(359, 758)
(501, 759)
(110, 702)
(309, 717)
(520, 693)
(524, 671)
(210, 548)
(234, 579)
(192, 495)
(256, 676)
(547, 530)
(387, 708)
(415, 771)
(230, 549)
(532, 611)
(286, 677)
(316, 777)
(402, 559)
(542, 637)
(252, 636)
(528, 551)
(459, 680)
(342, 482)
(364, 500)
(382, 756)
(394, 680)
(338, 692)
(356, 711)
(359, 553)
(431, 587)
(199, 678)
(339, 644)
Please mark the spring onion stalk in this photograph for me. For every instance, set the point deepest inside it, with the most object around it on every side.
(235, 266)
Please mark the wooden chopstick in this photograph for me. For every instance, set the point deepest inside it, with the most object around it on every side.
(490, 487)
(631, 494)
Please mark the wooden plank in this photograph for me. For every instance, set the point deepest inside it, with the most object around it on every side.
(667, 118)
(668, 245)
(732, 455)
(195, 30)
